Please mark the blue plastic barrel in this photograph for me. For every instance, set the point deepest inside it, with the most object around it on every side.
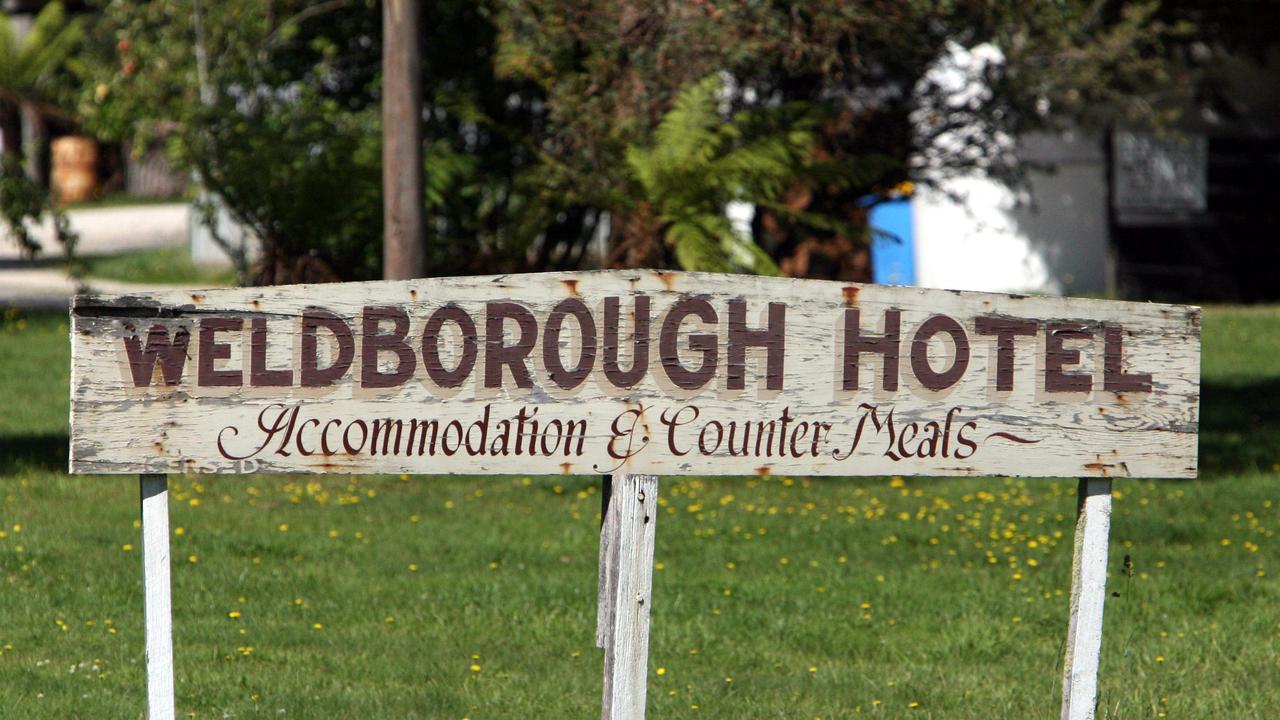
(893, 259)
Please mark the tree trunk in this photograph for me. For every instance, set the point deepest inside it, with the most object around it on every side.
(10, 130)
(403, 253)
(34, 142)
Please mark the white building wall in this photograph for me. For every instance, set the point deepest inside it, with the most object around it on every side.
(977, 234)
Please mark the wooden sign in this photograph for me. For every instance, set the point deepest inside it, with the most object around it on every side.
(632, 371)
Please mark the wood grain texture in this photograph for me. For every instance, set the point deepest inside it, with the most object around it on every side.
(633, 516)
(1088, 596)
(157, 601)
(739, 375)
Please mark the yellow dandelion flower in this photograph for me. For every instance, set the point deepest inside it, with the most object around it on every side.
(234, 614)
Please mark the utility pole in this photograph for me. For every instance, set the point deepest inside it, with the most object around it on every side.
(402, 246)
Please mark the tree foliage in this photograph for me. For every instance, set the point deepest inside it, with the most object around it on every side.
(544, 117)
(34, 71)
(700, 162)
(275, 107)
(611, 69)
(30, 67)
(272, 106)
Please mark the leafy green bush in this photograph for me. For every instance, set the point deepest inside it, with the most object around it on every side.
(24, 201)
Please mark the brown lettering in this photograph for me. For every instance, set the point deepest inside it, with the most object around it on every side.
(640, 342)
(497, 354)
(1114, 378)
(170, 354)
(312, 375)
(259, 375)
(887, 345)
(373, 343)
(1004, 329)
(772, 337)
(566, 378)
(673, 421)
(924, 372)
(1057, 357)
(211, 351)
(431, 346)
(704, 343)
(302, 450)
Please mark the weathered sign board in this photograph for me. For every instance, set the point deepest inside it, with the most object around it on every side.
(632, 371)
(632, 374)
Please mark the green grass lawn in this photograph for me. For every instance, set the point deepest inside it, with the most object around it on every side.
(171, 265)
(448, 597)
(120, 199)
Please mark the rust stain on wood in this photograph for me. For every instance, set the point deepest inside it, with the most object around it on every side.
(572, 285)
(850, 294)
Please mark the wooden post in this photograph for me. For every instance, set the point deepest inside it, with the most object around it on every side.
(1088, 593)
(154, 491)
(608, 559)
(402, 248)
(626, 590)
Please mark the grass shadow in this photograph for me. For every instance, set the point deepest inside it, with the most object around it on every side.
(1239, 427)
(34, 452)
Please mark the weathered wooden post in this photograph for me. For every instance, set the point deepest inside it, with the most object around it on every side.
(627, 530)
(157, 603)
(1088, 593)
(403, 254)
